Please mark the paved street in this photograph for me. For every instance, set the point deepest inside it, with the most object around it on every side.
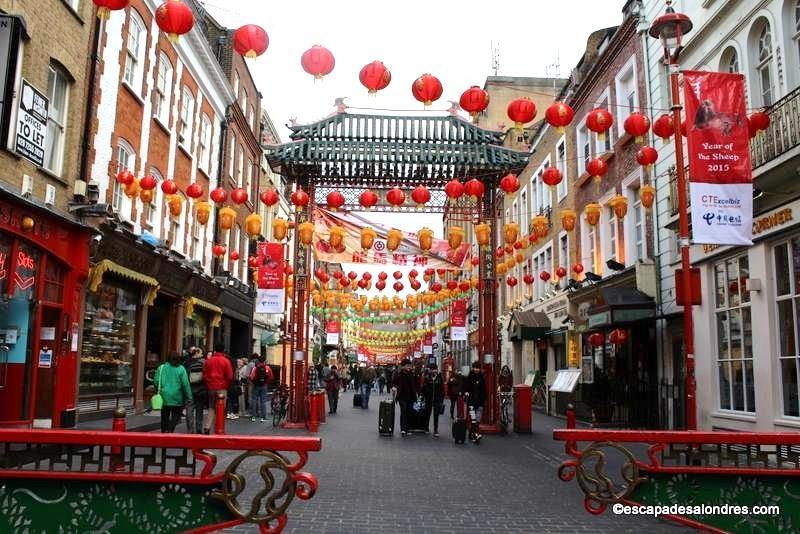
(423, 484)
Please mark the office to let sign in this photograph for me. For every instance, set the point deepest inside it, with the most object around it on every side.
(32, 124)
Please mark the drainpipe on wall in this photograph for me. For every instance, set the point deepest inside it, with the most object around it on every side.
(99, 27)
(223, 143)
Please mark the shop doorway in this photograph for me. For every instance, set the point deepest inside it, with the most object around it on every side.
(17, 321)
(161, 335)
(49, 347)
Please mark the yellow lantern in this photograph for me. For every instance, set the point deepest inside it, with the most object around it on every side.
(305, 232)
(568, 219)
(279, 228)
(226, 216)
(386, 305)
(427, 298)
(518, 257)
(501, 269)
(368, 236)
(510, 233)
(425, 237)
(455, 235)
(374, 304)
(620, 206)
(316, 299)
(337, 236)
(132, 189)
(541, 225)
(146, 196)
(252, 225)
(647, 194)
(475, 281)
(175, 204)
(510, 263)
(290, 284)
(482, 232)
(393, 239)
(202, 211)
(593, 213)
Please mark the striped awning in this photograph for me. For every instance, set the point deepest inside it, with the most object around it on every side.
(107, 266)
(191, 302)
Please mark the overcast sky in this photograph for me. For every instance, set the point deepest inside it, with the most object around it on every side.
(451, 40)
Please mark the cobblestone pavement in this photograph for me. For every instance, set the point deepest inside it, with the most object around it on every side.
(421, 484)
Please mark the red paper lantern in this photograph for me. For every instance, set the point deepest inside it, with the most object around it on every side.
(474, 100)
(105, 7)
(618, 336)
(528, 279)
(396, 197)
(416, 285)
(559, 115)
(148, 183)
(194, 190)
(269, 197)
(663, 127)
(413, 274)
(427, 88)
(521, 111)
(475, 260)
(552, 176)
(380, 285)
(647, 156)
(169, 187)
(239, 196)
(429, 271)
(436, 287)
(366, 276)
(300, 199)
(577, 268)
(596, 339)
(352, 275)
(234, 256)
(464, 285)
(397, 275)
(683, 128)
(636, 125)
(317, 61)
(758, 121)
(218, 250)
(420, 195)
(362, 284)
(218, 195)
(561, 272)
(544, 276)
(518, 245)
(474, 188)
(398, 286)
(509, 183)
(382, 276)
(597, 168)
(511, 281)
(452, 285)
(288, 269)
(125, 177)
(368, 199)
(252, 262)
(499, 253)
(335, 200)
(175, 19)
(319, 273)
(599, 120)
(250, 41)
(454, 189)
(338, 274)
(375, 76)
(344, 283)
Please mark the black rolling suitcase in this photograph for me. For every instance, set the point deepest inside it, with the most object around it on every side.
(357, 400)
(386, 418)
(460, 422)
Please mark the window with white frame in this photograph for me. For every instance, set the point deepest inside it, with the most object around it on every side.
(125, 160)
(730, 61)
(514, 212)
(249, 183)
(734, 334)
(764, 66)
(787, 297)
(604, 144)
(187, 116)
(178, 226)
(197, 248)
(232, 157)
(236, 84)
(584, 145)
(243, 100)
(134, 51)
(561, 164)
(796, 37)
(163, 89)
(608, 235)
(58, 92)
(542, 261)
(540, 192)
(204, 146)
(523, 208)
(588, 245)
(563, 251)
(240, 169)
(237, 242)
(634, 226)
(627, 95)
(152, 207)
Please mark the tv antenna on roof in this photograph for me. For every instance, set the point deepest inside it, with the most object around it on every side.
(495, 56)
(553, 71)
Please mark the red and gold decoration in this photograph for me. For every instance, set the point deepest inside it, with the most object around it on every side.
(336, 236)
(175, 205)
(663, 127)
(252, 225)
(559, 115)
(620, 206)
(125, 177)
(300, 199)
(618, 336)
(368, 199)
(427, 89)
(757, 122)
(454, 189)
(375, 76)
(541, 225)
(647, 156)
(425, 238)
(596, 339)
(305, 233)
(269, 197)
(510, 233)
(511, 281)
(544, 276)
(318, 61)
(455, 236)
(577, 268)
(568, 219)
(148, 182)
(482, 234)
(474, 100)
(637, 125)
(420, 195)
(105, 7)
(368, 236)
(561, 272)
(132, 189)
(219, 195)
(395, 197)
(146, 195)
(280, 228)
(509, 184)
(250, 41)
(218, 250)
(593, 211)
(202, 211)
(335, 200)
(521, 111)
(226, 216)
(552, 177)
(175, 19)
(393, 239)
(597, 168)
(234, 255)
(599, 120)
(239, 196)
(474, 188)
(194, 191)
(647, 194)
(169, 187)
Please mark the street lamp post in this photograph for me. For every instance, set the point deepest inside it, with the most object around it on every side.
(670, 28)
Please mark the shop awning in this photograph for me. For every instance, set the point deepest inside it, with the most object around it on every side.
(107, 266)
(619, 305)
(191, 302)
(527, 325)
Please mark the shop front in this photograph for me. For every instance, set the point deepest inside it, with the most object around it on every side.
(525, 331)
(44, 260)
(237, 306)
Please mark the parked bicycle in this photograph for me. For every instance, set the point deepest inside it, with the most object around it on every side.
(279, 404)
(505, 397)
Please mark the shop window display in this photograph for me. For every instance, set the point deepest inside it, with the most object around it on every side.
(195, 329)
(109, 333)
(787, 296)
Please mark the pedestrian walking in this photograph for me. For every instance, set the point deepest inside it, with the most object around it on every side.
(455, 386)
(367, 379)
(506, 380)
(433, 393)
(218, 374)
(405, 391)
(260, 377)
(172, 383)
(312, 379)
(199, 402)
(381, 381)
(475, 388)
(235, 390)
(332, 389)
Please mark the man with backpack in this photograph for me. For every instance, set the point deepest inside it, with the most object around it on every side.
(199, 400)
(218, 375)
(260, 377)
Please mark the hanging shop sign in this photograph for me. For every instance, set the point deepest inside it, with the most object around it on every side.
(32, 124)
(332, 331)
(427, 343)
(573, 356)
(721, 179)
(270, 296)
(458, 321)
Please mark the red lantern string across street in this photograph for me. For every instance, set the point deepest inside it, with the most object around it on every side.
(335, 200)
(105, 7)
(239, 196)
(396, 197)
(599, 120)
(596, 339)
(148, 182)
(218, 250)
(194, 191)
(398, 286)
(521, 111)
(618, 336)
(544, 275)
(636, 125)
(300, 199)
(352, 275)
(474, 100)
(380, 285)
(559, 115)
(318, 61)
(597, 168)
(647, 156)
(552, 176)
(509, 183)
(757, 122)
(375, 76)
(250, 41)
(663, 128)
(528, 279)
(474, 188)
(169, 187)
(218, 195)
(269, 197)
(577, 268)
(427, 89)
(234, 255)
(397, 275)
(175, 19)
(420, 195)
(382, 276)
(561, 272)
(454, 189)
(125, 177)
(511, 281)
(368, 199)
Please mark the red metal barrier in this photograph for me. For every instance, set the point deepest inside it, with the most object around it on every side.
(312, 421)
(219, 419)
